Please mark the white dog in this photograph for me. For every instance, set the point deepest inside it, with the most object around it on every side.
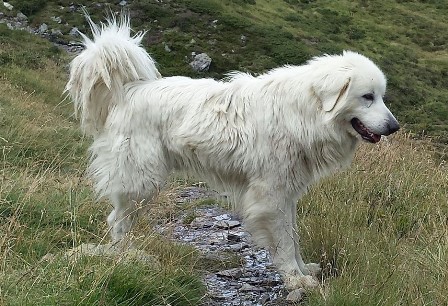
(261, 139)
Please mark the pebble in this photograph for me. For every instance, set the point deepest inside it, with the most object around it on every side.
(227, 224)
(56, 19)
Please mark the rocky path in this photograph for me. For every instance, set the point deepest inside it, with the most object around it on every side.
(214, 232)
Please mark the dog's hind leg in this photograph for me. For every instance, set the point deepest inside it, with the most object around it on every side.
(129, 172)
(127, 209)
(123, 216)
(268, 217)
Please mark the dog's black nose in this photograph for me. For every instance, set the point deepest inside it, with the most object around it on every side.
(393, 126)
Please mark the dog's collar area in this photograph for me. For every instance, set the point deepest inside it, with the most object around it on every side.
(365, 133)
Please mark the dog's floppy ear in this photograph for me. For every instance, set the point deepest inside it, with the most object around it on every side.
(331, 92)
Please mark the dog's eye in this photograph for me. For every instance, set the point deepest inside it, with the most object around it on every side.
(369, 96)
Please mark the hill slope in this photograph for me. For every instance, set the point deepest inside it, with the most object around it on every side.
(379, 229)
(408, 39)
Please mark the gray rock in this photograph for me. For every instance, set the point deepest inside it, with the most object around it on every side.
(56, 32)
(56, 19)
(201, 62)
(296, 295)
(222, 217)
(43, 28)
(111, 251)
(123, 3)
(264, 298)
(243, 39)
(237, 247)
(21, 17)
(201, 222)
(231, 273)
(8, 6)
(227, 224)
(234, 237)
(74, 32)
(167, 48)
(248, 287)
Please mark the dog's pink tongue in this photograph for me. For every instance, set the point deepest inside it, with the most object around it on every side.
(376, 138)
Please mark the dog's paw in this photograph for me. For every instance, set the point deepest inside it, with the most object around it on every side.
(312, 269)
(304, 281)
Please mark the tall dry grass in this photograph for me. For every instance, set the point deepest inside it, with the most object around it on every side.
(47, 206)
(380, 229)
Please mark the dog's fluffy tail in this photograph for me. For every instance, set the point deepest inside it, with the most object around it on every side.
(98, 74)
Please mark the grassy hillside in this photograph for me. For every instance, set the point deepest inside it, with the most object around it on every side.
(46, 207)
(408, 39)
(379, 229)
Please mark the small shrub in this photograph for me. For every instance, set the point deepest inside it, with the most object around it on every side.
(243, 2)
(233, 22)
(144, 10)
(204, 6)
(356, 33)
(29, 7)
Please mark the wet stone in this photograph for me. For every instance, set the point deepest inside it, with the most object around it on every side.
(249, 287)
(238, 246)
(227, 224)
(231, 273)
(264, 299)
(233, 237)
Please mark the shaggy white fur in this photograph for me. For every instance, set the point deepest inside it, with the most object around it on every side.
(261, 139)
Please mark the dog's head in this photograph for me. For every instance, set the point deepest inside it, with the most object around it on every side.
(351, 90)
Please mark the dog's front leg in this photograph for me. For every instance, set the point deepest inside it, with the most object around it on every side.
(269, 219)
(310, 268)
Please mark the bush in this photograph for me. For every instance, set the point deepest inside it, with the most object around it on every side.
(355, 33)
(29, 7)
(243, 2)
(203, 6)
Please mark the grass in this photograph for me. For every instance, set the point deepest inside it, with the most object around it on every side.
(379, 229)
(46, 207)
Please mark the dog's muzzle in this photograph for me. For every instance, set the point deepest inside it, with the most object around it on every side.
(392, 126)
(368, 135)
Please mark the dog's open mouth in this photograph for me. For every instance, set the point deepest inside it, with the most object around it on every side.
(365, 133)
